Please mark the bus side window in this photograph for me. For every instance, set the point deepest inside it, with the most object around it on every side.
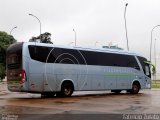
(131, 62)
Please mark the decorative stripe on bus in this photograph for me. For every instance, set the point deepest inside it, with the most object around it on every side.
(119, 75)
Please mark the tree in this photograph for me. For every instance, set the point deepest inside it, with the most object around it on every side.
(5, 41)
(43, 38)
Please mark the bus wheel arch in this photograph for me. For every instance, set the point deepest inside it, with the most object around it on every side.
(136, 86)
(67, 88)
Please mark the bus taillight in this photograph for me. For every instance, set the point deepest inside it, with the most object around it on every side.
(23, 76)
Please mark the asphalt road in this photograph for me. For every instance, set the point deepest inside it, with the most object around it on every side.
(82, 105)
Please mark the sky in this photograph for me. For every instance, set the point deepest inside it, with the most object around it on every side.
(97, 22)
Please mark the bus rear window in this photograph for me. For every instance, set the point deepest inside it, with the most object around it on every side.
(13, 62)
(13, 59)
(14, 56)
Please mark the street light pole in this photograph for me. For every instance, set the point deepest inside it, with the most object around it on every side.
(126, 25)
(38, 21)
(151, 40)
(155, 52)
(12, 30)
(155, 55)
(75, 36)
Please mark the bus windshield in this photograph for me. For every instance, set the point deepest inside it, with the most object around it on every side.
(145, 66)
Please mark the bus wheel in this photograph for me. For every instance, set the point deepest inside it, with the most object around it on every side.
(67, 89)
(135, 88)
(116, 91)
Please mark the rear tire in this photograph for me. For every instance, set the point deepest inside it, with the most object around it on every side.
(135, 88)
(66, 90)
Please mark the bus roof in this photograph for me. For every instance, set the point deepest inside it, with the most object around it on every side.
(107, 50)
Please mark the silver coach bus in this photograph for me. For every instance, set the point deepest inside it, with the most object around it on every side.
(48, 69)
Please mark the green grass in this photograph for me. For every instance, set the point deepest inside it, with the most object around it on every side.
(155, 84)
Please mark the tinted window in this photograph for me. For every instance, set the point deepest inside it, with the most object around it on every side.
(55, 55)
(14, 56)
(68, 56)
(39, 53)
(141, 59)
(110, 59)
(71, 56)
